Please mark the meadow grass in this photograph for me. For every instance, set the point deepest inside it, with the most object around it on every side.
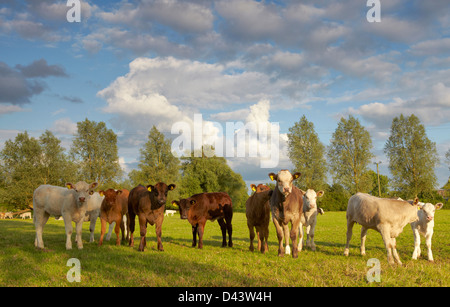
(181, 265)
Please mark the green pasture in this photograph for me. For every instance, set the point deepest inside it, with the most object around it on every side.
(181, 265)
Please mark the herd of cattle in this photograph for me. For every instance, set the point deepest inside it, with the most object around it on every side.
(286, 203)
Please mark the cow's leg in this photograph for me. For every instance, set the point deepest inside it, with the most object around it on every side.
(394, 250)
(79, 230)
(40, 219)
(294, 237)
(363, 240)
(280, 235)
(428, 237)
(259, 236)
(228, 212)
(131, 225)
(416, 252)
(110, 230)
(349, 236)
(158, 230)
(69, 230)
(143, 232)
(93, 221)
(311, 236)
(286, 239)
(252, 235)
(386, 235)
(194, 235)
(300, 237)
(201, 228)
(117, 228)
(223, 227)
(102, 231)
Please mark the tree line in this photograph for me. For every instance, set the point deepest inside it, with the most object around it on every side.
(27, 162)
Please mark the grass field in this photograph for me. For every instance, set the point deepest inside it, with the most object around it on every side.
(181, 265)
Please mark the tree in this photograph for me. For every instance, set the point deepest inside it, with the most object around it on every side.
(412, 157)
(203, 174)
(95, 149)
(157, 163)
(384, 184)
(307, 154)
(28, 163)
(349, 155)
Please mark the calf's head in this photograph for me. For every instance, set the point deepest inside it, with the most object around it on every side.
(110, 196)
(310, 199)
(260, 188)
(184, 206)
(284, 180)
(82, 191)
(429, 209)
(159, 191)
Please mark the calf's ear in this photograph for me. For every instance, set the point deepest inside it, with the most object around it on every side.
(175, 203)
(296, 175)
(118, 192)
(172, 187)
(320, 193)
(150, 187)
(101, 193)
(438, 206)
(70, 185)
(273, 176)
(253, 187)
(193, 202)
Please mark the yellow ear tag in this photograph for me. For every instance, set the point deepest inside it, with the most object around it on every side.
(271, 177)
(253, 189)
(149, 189)
(68, 186)
(101, 193)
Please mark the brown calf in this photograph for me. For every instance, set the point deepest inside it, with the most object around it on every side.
(202, 207)
(148, 203)
(257, 210)
(114, 207)
(286, 205)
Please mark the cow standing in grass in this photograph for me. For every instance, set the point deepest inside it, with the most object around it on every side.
(257, 211)
(286, 205)
(424, 226)
(70, 203)
(309, 218)
(387, 216)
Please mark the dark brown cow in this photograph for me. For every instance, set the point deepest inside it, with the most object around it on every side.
(257, 210)
(202, 207)
(114, 207)
(286, 205)
(148, 203)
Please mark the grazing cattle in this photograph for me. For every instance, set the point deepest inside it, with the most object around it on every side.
(171, 212)
(387, 216)
(9, 215)
(148, 203)
(25, 215)
(70, 203)
(424, 226)
(257, 210)
(202, 207)
(309, 218)
(114, 207)
(93, 212)
(286, 205)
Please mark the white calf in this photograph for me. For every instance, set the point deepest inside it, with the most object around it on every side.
(25, 215)
(424, 226)
(171, 212)
(309, 218)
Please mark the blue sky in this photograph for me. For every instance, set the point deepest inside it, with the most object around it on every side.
(134, 64)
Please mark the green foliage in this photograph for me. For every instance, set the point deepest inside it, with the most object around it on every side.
(95, 149)
(157, 163)
(412, 157)
(335, 198)
(349, 155)
(307, 154)
(27, 163)
(384, 183)
(203, 174)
